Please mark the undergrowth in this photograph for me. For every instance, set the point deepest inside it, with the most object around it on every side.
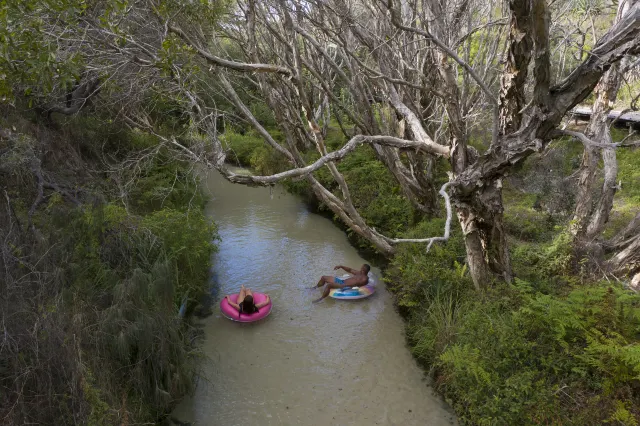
(93, 278)
(545, 350)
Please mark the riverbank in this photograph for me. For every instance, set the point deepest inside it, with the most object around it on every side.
(554, 347)
(103, 238)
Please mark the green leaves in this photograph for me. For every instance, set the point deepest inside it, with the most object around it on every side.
(33, 61)
(514, 359)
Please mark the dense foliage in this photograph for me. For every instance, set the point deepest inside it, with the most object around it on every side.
(536, 352)
(91, 291)
(103, 239)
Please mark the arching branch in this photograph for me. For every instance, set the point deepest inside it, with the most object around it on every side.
(333, 156)
(588, 142)
(238, 66)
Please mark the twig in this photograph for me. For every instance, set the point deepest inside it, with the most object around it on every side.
(40, 197)
(238, 66)
(56, 187)
(447, 225)
(12, 212)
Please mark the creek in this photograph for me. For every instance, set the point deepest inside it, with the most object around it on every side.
(332, 363)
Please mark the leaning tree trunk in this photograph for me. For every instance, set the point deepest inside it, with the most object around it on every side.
(481, 219)
(627, 261)
(479, 212)
(586, 185)
(591, 214)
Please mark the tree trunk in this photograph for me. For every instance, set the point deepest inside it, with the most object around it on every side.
(584, 197)
(514, 78)
(482, 224)
(627, 261)
(591, 215)
(604, 204)
(624, 237)
(480, 211)
(626, 245)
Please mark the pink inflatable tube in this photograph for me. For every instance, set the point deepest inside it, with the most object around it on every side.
(231, 312)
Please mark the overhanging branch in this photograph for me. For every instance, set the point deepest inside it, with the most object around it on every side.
(338, 155)
(238, 66)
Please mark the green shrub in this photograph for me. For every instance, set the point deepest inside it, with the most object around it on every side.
(92, 294)
(378, 197)
(334, 139)
(522, 221)
(134, 272)
(416, 276)
(241, 147)
(522, 357)
(165, 183)
(187, 239)
(549, 266)
(250, 150)
(109, 243)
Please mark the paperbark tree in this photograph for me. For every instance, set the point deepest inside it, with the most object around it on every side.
(593, 207)
(412, 79)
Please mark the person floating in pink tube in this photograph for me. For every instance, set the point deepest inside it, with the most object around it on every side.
(359, 279)
(245, 303)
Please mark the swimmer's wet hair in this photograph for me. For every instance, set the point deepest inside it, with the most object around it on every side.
(247, 306)
(367, 267)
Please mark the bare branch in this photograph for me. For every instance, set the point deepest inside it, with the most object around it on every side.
(228, 88)
(447, 225)
(238, 66)
(338, 155)
(398, 23)
(586, 141)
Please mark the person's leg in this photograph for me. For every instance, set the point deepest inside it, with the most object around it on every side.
(328, 289)
(325, 279)
(242, 295)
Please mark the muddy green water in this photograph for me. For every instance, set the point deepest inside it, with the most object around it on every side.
(332, 363)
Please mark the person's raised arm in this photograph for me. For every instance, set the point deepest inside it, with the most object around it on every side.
(265, 303)
(346, 268)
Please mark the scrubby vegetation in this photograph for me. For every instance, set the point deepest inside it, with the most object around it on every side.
(92, 282)
(548, 349)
